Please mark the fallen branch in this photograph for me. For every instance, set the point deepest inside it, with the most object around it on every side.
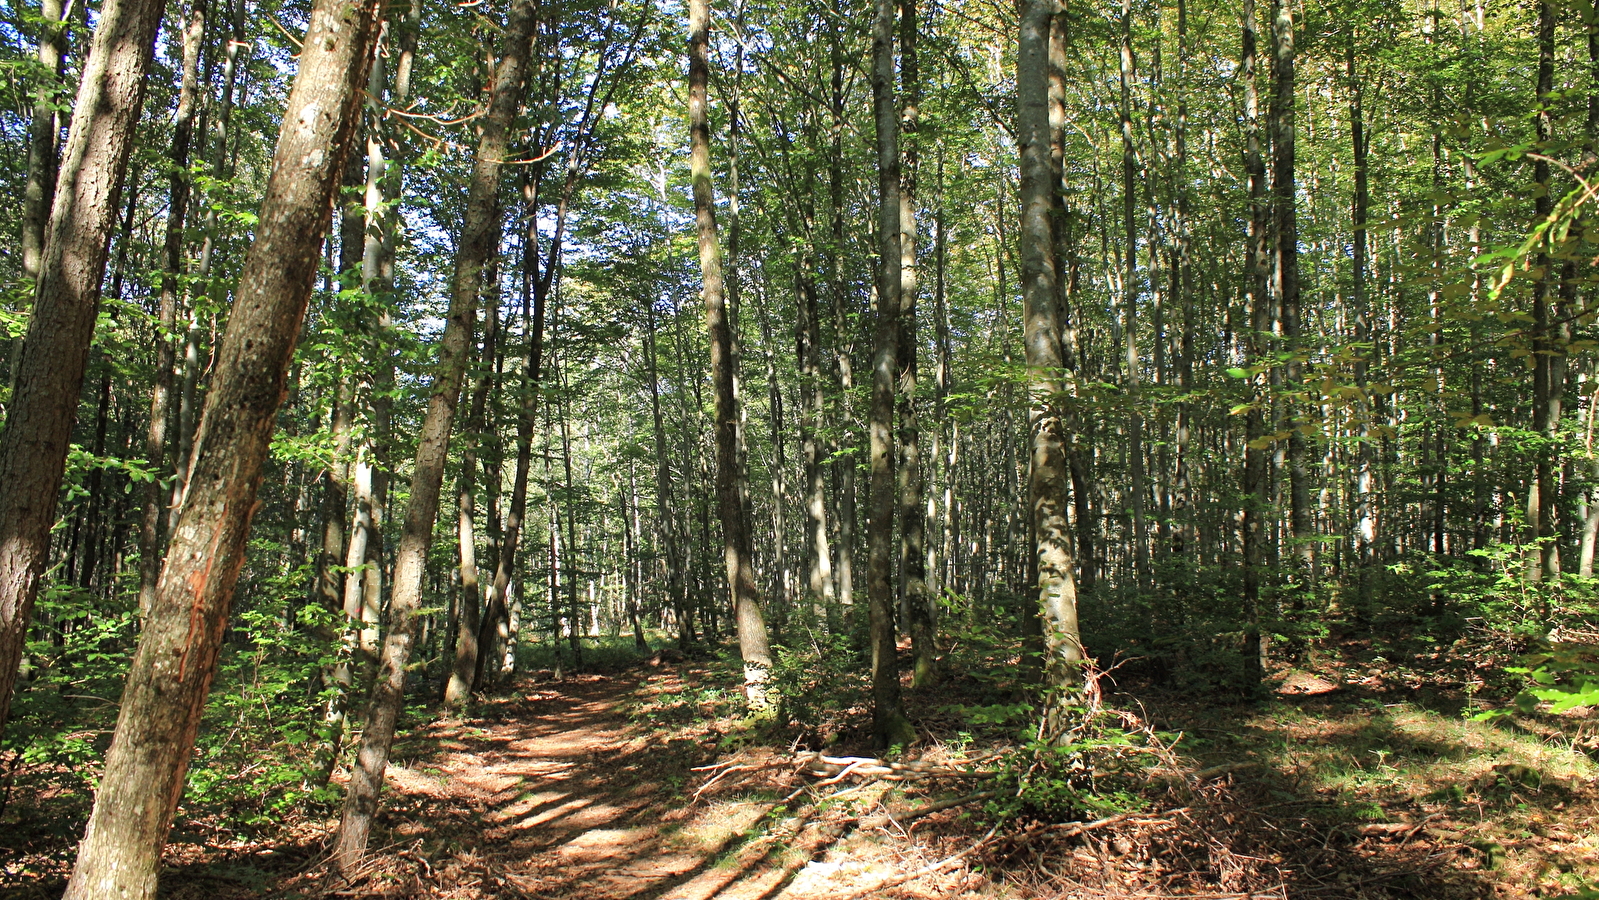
(719, 776)
(905, 818)
(838, 767)
(942, 805)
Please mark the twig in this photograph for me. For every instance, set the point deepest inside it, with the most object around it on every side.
(720, 775)
(942, 805)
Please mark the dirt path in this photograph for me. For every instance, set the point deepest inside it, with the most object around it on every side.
(554, 792)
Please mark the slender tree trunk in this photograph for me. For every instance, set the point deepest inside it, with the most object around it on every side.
(889, 725)
(1365, 506)
(918, 601)
(479, 241)
(1135, 421)
(155, 443)
(188, 408)
(55, 350)
(43, 134)
(39, 190)
(665, 506)
(464, 671)
(808, 338)
(736, 553)
(1548, 375)
(1256, 473)
(91, 518)
(172, 670)
(1285, 277)
(846, 465)
(1048, 470)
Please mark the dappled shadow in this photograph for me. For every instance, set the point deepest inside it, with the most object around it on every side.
(554, 792)
(1337, 797)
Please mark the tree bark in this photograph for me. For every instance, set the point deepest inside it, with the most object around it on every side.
(55, 350)
(39, 189)
(172, 670)
(1285, 278)
(464, 671)
(479, 240)
(1255, 486)
(736, 553)
(1134, 375)
(1048, 472)
(1548, 380)
(918, 600)
(889, 725)
(155, 443)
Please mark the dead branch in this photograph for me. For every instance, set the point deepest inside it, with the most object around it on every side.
(835, 768)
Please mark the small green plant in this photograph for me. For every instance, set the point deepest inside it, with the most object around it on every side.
(1072, 765)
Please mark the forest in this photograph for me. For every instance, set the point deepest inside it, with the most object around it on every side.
(799, 448)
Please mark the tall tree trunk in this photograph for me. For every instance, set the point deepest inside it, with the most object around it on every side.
(91, 518)
(55, 350)
(43, 134)
(1135, 421)
(1365, 505)
(1256, 472)
(808, 339)
(889, 725)
(736, 553)
(1285, 277)
(666, 507)
(172, 670)
(464, 670)
(480, 233)
(220, 157)
(155, 443)
(496, 611)
(845, 462)
(1548, 380)
(918, 601)
(1048, 470)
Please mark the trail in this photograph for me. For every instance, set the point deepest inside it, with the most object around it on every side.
(555, 792)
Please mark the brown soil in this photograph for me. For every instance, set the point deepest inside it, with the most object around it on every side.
(556, 792)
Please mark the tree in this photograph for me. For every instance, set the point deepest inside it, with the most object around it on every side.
(38, 428)
(1048, 475)
(889, 725)
(736, 554)
(480, 239)
(171, 672)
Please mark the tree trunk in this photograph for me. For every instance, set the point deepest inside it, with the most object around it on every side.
(464, 671)
(1135, 419)
(1048, 472)
(1256, 474)
(1548, 383)
(918, 601)
(736, 554)
(479, 240)
(55, 350)
(1365, 512)
(1285, 279)
(155, 444)
(39, 190)
(172, 670)
(889, 725)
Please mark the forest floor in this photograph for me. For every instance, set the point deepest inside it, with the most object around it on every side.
(1369, 784)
